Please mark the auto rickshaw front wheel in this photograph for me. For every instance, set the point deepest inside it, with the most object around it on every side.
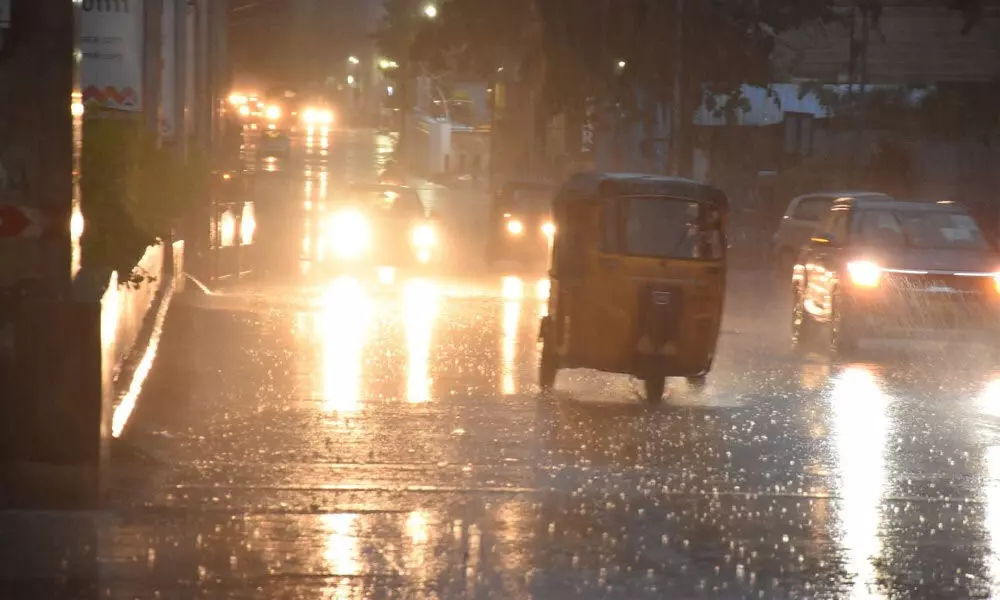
(655, 385)
(549, 363)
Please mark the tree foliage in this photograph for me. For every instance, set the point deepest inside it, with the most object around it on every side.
(578, 43)
(134, 191)
(619, 53)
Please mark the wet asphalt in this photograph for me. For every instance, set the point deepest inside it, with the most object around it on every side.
(305, 436)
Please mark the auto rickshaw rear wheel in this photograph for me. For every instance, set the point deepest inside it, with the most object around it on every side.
(655, 385)
(697, 382)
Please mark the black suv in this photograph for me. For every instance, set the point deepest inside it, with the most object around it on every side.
(880, 267)
(521, 227)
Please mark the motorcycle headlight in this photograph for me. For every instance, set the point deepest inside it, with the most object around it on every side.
(864, 273)
(273, 112)
(423, 236)
(515, 227)
(349, 234)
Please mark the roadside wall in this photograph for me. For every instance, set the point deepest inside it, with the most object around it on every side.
(124, 308)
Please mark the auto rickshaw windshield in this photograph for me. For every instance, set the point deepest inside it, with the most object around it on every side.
(662, 227)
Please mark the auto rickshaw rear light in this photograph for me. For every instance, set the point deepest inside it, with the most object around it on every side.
(864, 273)
(515, 227)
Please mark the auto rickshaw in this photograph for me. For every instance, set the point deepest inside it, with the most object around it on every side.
(637, 280)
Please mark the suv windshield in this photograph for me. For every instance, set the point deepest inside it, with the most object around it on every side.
(529, 199)
(398, 202)
(919, 229)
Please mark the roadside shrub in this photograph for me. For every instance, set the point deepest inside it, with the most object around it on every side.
(133, 191)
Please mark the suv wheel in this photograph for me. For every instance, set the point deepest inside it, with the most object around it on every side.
(844, 333)
(802, 325)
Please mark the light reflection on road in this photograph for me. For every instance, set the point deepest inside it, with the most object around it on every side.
(420, 554)
(344, 319)
(420, 305)
(248, 224)
(342, 553)
(860, 426)
(513, 294)
(989, 405)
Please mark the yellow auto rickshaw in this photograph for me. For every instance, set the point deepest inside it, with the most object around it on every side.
(638, 278)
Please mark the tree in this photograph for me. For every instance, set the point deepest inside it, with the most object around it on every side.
(626, 54)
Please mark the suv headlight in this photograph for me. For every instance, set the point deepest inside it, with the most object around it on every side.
(864, 273)
(423, 237)
(349, 234)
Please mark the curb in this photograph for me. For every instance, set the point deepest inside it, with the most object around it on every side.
(136, 368)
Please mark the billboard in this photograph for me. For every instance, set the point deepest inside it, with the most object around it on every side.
(111, 41)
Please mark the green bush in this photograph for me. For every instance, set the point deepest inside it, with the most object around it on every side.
(134, 191)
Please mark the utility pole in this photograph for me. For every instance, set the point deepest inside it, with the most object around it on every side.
(153, 41)
(867, 8)
(181, 36)
(203, 103)
(677, 114)
(49, 417)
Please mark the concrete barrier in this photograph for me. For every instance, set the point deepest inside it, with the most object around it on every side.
(124, 309)
(132, 322)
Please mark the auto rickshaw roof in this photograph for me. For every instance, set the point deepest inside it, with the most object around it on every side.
(637, 184)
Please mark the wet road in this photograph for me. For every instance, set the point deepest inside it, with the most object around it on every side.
(309, 437)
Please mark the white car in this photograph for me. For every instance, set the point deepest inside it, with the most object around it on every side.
(799, 222)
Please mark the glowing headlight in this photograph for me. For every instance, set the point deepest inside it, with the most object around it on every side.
(515, 227)
(864, 273)
(273, 112)
(245, 111)
(349, 234)
(423, 236)
(996, 281)
(315, 116)
(549, 229)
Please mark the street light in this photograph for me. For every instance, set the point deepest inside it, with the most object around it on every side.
(430, 11)
(353, 60)
(385, 64)
(622, 64)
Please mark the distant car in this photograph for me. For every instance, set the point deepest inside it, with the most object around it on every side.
(379, 225)
(521, 227)
(274, 142)
(887, 268)
(800, 220)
